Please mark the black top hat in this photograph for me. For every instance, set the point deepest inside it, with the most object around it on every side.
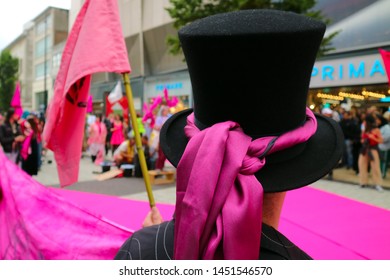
(253, 67)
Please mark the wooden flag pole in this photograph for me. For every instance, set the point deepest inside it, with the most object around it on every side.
(138, 142)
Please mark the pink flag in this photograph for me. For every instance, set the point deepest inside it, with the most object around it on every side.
(49, 226)
(386, 61)
(90, 104)
(95, 44)
(15, 102)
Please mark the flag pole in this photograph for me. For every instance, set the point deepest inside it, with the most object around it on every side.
(138, 142)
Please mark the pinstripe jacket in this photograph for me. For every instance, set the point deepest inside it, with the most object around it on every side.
(156, 243)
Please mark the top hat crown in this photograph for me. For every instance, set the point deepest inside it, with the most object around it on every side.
(254, 67)
(248, 65)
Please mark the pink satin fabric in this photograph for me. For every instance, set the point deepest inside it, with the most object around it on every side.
(218, 199)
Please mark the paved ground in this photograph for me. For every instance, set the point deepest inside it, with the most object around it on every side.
(133, 188)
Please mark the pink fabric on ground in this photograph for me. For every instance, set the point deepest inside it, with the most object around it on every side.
(126, 212)
(95, 44)
(329, 226)
(37, 223)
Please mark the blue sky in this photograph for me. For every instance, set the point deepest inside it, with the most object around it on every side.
(15, 13)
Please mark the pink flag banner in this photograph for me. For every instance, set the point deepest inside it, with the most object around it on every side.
(38, 223)
(90, 104)
(386, 61)
(16, 102)
(95, 44)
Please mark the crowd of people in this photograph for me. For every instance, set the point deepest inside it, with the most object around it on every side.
(21, 141)
(367, 141)
(366, 146)
(112, 137)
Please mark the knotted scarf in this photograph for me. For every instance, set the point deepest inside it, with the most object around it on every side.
(218, 199)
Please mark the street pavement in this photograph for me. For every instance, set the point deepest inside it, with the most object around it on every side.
(133, 188)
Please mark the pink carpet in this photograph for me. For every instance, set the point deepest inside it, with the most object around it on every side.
(326, 226)
(128, 213)
(329, 226)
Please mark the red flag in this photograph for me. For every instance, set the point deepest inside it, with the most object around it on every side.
(16, 102)
(386, 61)
(95, 44)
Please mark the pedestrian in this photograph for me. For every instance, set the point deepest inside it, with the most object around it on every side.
(97, 137)
(384, 147)
(125, 152)
(369, 153)
(108, 123)
(117, 130)
(162, 117)
(236, 156)
(351, 131)
(11, 136)
(30, 149)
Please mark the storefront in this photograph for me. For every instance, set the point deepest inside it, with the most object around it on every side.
(178, 84)
(355, 80)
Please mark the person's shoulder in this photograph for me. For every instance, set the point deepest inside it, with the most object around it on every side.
(149, 243)
(276, 246)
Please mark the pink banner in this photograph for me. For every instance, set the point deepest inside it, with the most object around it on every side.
(38, 223)
(16, 102)
(95, 44)
(386, 61)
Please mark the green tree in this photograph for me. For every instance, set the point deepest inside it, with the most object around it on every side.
(186, 11)
(8, 77)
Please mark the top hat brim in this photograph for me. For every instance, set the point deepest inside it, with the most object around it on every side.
(316, 158)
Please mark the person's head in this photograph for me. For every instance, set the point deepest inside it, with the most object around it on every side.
(371, 110)
(347, 115)
(327, 112)
(145, 140)
(370, 123)
(98, 118)
(164, 110)
(32, 123)
(11, 116)
(249, 47)
(386, 115)
(380, 120)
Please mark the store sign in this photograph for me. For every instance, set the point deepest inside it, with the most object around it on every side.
(169, 86)
(361, 70)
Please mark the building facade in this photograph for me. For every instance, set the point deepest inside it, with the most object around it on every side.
(354, 72)
(39, 51)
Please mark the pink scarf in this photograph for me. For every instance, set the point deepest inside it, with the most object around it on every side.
(218, 198)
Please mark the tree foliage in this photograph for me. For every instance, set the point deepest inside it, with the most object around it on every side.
(8, 77)
(186, 11)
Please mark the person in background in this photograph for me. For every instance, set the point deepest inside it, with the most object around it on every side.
(97, 137)
(356, 144)
(11, 136)
(125, 152)
(30, 150)
(117, 130)
(351, 131)
(146, 149)
(162, 117)
(384, 147)
(141, 127)
(108, 123)
(369, 153)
